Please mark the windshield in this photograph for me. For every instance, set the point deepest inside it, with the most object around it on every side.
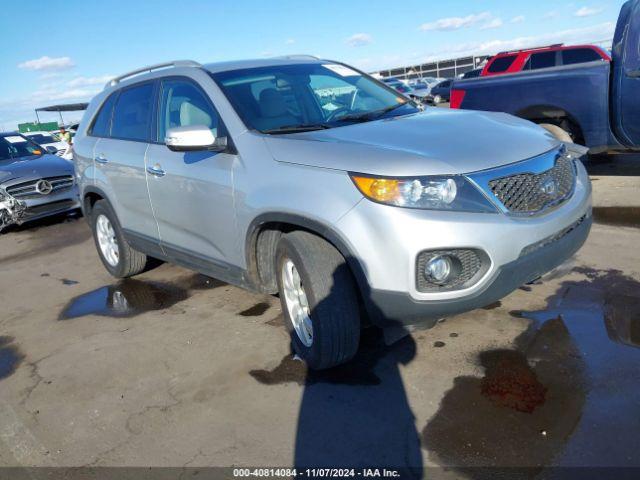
(16, 146)
(42, 138)
(301, 97)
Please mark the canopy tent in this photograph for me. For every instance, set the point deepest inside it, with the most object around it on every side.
(67, 107)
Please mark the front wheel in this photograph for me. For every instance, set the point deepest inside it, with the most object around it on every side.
(319, 300)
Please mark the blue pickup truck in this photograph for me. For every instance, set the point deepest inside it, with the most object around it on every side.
(596, 104)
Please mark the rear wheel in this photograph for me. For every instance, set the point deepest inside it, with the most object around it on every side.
(116, 254)
(319, 300)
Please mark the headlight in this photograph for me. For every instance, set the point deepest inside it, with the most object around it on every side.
(453, 193)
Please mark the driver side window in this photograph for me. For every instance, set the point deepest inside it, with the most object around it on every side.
(183, 104)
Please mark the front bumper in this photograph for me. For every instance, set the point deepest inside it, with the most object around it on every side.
(386, 241)
(395, 307)
(49, 205)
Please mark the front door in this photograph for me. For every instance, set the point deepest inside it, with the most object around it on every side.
(191, 192)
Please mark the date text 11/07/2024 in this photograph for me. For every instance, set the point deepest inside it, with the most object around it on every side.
(316, 472)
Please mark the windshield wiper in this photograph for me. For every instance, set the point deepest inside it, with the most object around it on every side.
(371, 115)
(298, 128)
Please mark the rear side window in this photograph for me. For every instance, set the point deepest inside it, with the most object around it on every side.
(541, 60)
(132, 113)
(102, 124)
(501, 64)
(579, 55)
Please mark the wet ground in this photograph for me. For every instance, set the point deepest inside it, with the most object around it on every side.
(175, 369)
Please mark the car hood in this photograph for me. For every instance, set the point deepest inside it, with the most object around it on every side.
(437, 141)
(27, 168)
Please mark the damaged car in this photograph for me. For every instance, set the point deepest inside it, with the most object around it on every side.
(11, 210)
(33, 183)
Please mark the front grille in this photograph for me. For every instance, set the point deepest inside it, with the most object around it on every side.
(529, 193)
(61, 152)
(473, 264)
(28, 189)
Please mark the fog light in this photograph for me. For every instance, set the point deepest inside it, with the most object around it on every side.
(438, 269)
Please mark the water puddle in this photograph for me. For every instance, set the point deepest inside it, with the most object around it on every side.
(127, 298)
(10, 357)
(131, 297)
(617, 216)
(564, 395)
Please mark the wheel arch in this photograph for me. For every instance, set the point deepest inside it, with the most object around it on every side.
(90, 196)
(554, 115)
(262, 238)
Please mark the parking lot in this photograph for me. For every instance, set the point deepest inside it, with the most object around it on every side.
(176, 369)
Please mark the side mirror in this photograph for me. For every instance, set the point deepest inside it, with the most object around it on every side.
(192, 138)
(51, 149)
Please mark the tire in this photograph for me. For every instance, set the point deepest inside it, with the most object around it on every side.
(331, 295)
(558, 132)
(129, 261)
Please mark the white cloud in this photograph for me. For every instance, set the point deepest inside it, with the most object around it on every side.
(518, 19)
(455, 23)
(587, 11)
(88, 81)
(359, 39)
(289, 41)
(59, 89)
(48, 63)
(495, 23)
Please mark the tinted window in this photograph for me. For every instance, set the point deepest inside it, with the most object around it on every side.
(102, 123)
(184, 104)
(501, 64)
(541, 60)
(579, 55)
(132, 113)
(16, 146)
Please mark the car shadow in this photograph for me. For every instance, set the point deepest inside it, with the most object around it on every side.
(355, 415)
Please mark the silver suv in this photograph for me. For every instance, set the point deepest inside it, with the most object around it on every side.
(310, 179)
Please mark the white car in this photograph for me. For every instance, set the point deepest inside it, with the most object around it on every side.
(49, 139)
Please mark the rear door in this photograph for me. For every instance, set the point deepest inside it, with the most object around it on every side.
(628, 94)
(119, 160)
(191, 192)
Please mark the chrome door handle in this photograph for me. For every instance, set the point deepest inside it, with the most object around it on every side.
(101, 159)
(156, 170)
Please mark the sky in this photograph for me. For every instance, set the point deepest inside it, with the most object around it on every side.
(66, 52)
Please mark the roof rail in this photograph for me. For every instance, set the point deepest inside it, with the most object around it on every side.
(151, 68)
(532, 48)
(300, 56)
